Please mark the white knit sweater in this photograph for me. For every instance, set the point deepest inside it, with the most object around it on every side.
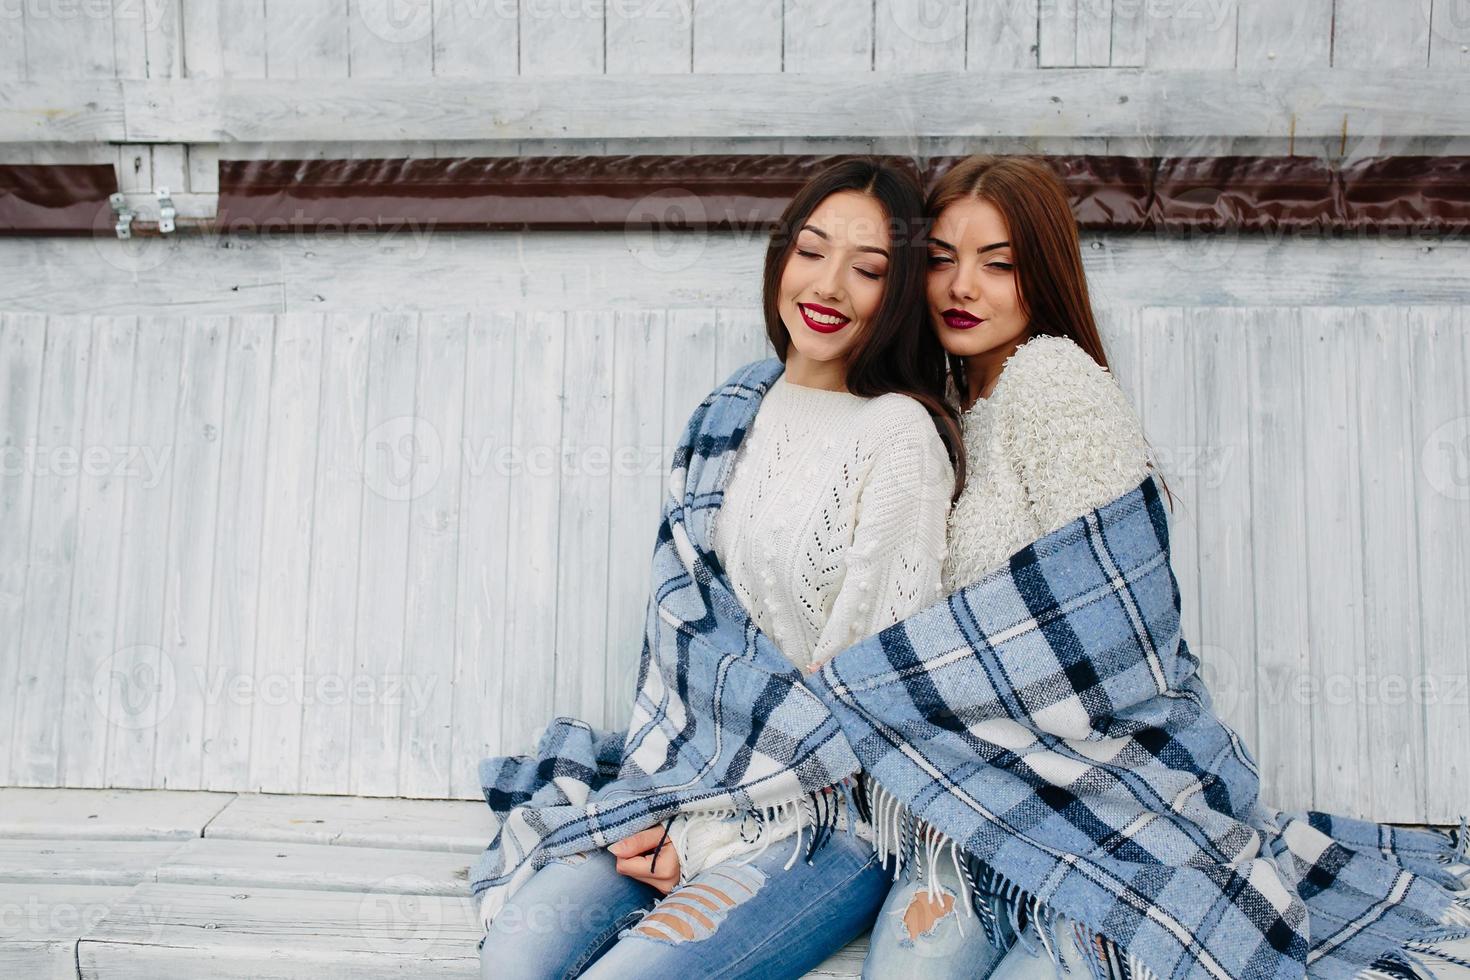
(832, 527)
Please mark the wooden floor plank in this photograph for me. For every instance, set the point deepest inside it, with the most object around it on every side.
(322, 867)
(429, 825)
(42, 923)
(83, 861)
(114, 814)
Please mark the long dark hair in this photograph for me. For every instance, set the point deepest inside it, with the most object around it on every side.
(897, 351)
(1043, 234)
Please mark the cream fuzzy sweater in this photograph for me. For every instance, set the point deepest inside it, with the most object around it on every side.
(1055, 439)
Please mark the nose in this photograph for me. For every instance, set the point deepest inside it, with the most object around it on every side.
(828, 284)
(964, 287)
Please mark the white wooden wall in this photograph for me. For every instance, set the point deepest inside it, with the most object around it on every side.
(404, 41)
(352, 553)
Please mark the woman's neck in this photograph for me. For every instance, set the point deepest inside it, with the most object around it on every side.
(827, 375)
(982, 371)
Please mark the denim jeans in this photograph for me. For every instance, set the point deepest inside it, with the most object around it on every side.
(579, 918)
(955, 945)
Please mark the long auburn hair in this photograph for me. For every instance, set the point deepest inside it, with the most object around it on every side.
(897, 351)
(1042, 230)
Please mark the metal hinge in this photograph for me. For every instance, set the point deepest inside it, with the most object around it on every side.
(124, 225)
(165, 212)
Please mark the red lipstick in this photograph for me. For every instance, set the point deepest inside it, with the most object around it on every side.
(807, 309)
(957, 319)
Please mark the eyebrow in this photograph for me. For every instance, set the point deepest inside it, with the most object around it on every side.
(827, 238)
(984, 248)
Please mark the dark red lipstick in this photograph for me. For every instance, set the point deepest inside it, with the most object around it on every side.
(957, 319)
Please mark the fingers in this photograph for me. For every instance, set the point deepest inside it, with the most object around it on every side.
(644, 840)
(637, 868)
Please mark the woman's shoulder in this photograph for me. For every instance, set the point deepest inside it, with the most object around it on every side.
(1054, 377)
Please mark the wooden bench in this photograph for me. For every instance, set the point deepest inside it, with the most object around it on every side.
(134, 884)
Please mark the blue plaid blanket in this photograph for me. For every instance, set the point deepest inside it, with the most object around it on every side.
(1048, 720)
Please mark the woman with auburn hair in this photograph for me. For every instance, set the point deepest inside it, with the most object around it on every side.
(830, 526)
(1048, 436)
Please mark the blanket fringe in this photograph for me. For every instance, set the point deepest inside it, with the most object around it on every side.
(1002, 906)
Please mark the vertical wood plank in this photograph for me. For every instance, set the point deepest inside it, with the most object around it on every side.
(278, 688)
(484, 552)
(162, 37)
(52, 555)
(67, 41)
(1395, 722)
(1167, 365)
(390, 455)
(1335, 557)
(1094, 32)
(581, 679)
(336, 537)
(1191, 35)
(1379, 34)
(22, 352)
(531, 613)
(1441, 421)
(1220, 464)
(141, 682)
(634, 500)
(561, 39)
(306, 39)
(476, 40)
(650, 38)
(1277, 489)
(920, 37)
(1002, 34)
(828, 35)
(13, 44)
(689, 374)
(741, 338)
(1129, 47)
(1056, 29)
(93, 614)
(234, 613)
(225, 40)
(743, 37)
(1449, 35)
(390, 39)
(1119, 328)
(129, 39)
(433, 559)
(1284, 35)
(178, 760)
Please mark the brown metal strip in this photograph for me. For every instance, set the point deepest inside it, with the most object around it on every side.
(56, 198)
(1249, 194)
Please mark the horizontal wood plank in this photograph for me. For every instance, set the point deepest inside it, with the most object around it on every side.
(1065, 102)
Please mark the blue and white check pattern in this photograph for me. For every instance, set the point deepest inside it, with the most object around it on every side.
(1049, 719)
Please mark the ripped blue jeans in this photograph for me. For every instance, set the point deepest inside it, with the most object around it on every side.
(917, 935)
(578, 917)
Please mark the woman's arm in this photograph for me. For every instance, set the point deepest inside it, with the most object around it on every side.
(1067, 426)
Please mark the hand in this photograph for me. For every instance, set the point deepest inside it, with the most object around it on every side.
(635, 859)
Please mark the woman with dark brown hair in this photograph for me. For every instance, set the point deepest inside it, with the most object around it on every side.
(1048, 436)
(831, 527)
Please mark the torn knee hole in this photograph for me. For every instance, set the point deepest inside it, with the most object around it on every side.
(923, 913)
(669, 921)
